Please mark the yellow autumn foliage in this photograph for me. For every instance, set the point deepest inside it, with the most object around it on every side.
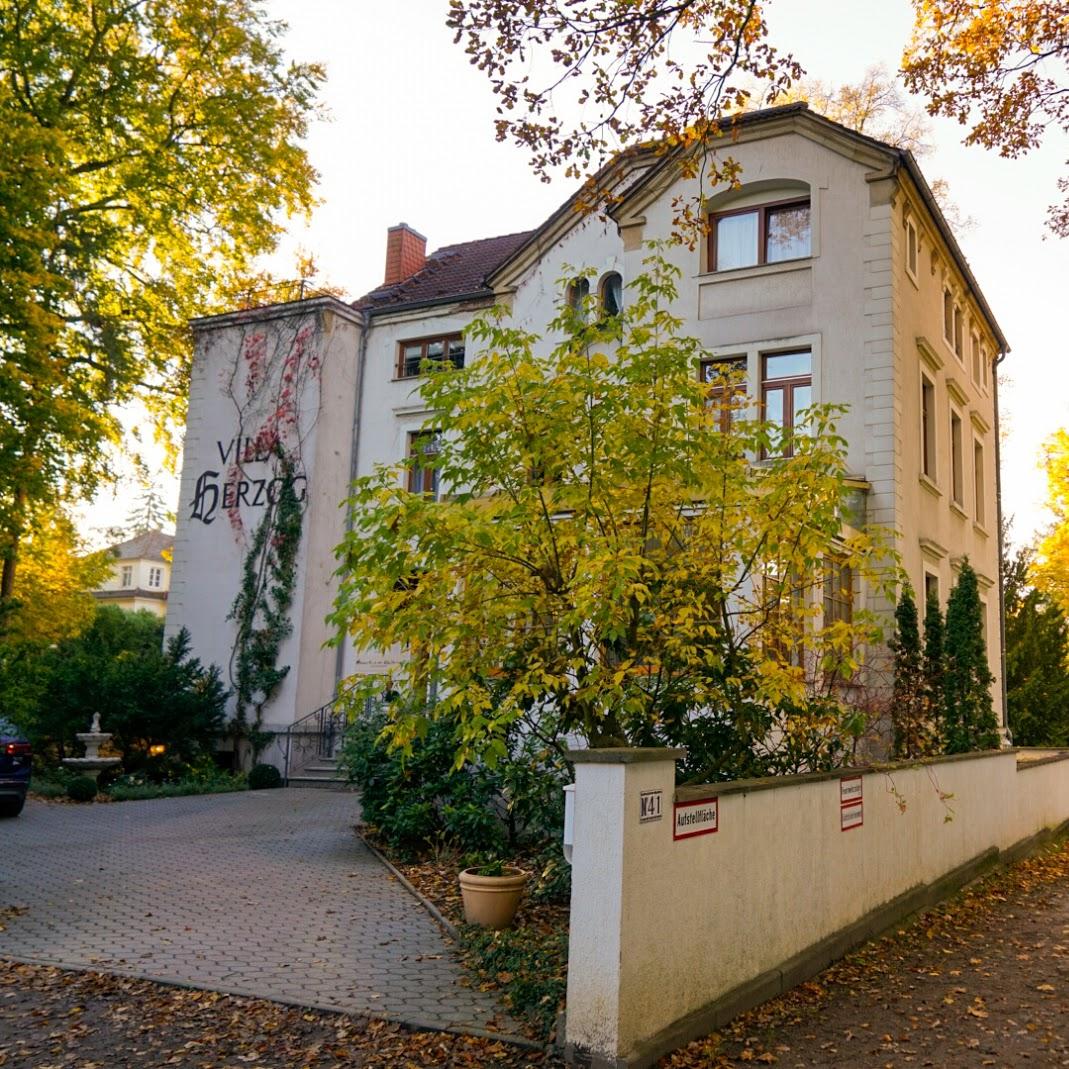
(1051, 568)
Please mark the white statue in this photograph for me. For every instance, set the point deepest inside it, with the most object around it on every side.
(95, 728)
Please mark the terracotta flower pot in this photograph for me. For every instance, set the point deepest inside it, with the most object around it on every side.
(491, 901)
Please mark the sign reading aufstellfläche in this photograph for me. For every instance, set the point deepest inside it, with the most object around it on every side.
(851, 803)
(700, 817)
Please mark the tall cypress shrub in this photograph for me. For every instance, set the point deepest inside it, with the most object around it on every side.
(969, 715)
(933, 665)
(910, 713)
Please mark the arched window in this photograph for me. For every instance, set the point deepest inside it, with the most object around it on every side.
(578, 291)
(764, 223)
(612, 294)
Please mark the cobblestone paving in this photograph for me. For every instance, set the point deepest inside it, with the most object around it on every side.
(266, 893)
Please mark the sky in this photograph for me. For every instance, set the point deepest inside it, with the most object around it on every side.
(410, 139)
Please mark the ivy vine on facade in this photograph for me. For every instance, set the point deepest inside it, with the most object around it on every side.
(267, 386)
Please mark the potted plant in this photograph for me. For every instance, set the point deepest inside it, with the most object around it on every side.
(491, 893)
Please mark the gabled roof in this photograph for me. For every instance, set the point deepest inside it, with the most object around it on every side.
(470, 269)
(898, 159)
(451, 273)
(149, 545)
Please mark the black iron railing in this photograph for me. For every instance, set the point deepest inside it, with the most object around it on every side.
(318, 735)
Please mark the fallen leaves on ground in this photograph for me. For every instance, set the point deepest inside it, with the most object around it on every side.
(55, 1019)
(527, 965)
(980, 980)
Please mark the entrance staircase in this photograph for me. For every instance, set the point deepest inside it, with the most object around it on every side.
(311, 748)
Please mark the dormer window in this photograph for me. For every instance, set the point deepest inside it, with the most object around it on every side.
(763, 234)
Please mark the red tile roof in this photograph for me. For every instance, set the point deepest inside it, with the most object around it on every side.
(452, 271)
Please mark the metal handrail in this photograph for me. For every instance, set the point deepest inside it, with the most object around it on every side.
(324, 724)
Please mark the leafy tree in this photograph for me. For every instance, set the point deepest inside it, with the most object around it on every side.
(150, 147)
(1051, 567)
(51, 600)
(875, 106)
(1000, 69)
(1037, 659)
(878, 107)
(622, 59)
(146, 693)
(913, 725)
(969, 717)
(609, 551)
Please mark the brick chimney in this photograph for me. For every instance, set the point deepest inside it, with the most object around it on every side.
(406, 253)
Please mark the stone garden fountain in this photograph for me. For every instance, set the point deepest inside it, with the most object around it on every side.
(92, 764)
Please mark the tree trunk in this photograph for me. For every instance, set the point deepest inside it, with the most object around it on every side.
(11, 553)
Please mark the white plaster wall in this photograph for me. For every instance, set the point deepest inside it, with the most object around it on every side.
(940, 534)
(698, 917)
(208, 557)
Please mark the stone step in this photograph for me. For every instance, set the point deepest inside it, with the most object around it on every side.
(323, 783)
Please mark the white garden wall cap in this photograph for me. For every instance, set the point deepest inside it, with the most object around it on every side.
(689, 792)
(1028, 757)
(624, 755)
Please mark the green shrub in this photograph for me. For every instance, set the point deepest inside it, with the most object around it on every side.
(264, 777)
(153, 692)
(422, 799)
(136, 787)
(81, 789)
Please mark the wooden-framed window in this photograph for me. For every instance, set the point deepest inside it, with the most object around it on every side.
(726, 379)
(127, 575)
(948, 316)
(838, 592)
(786, 389)
(439, 348)
(979, 496)
(984, 364)
(423, 448)
(975, 338)
(155, 577)
(959, 332)
(784, 595)
(928, 465)
(764, 234)
(957, 468)
(931, 590)
(912, 249)
(612, 294)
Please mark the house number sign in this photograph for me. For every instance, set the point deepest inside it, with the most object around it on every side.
(649, 808)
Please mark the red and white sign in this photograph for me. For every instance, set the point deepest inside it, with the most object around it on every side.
(701, 817)
(851, 803)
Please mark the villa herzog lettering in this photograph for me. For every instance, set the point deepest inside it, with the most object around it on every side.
(216, 491)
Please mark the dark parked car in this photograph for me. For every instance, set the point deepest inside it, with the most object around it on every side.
(16, 760)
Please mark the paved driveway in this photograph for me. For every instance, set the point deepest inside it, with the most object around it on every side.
(265, 893)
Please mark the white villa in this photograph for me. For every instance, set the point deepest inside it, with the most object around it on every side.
(830, 275)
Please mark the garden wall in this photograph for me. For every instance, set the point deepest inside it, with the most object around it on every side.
(690, 905)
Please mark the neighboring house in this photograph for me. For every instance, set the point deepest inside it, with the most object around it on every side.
(141, 574)
(830, 275)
